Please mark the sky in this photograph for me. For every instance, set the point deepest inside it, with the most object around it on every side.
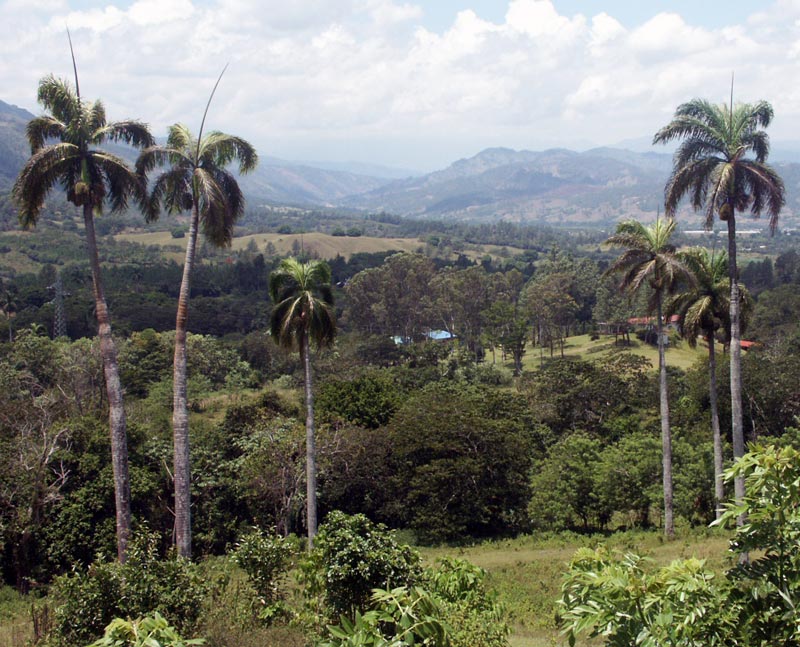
(405, 83)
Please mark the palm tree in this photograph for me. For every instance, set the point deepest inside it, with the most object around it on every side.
(711, 166)
(649, 260)
(704, 310)
(197, 180)
(303, 312)
(65, 150)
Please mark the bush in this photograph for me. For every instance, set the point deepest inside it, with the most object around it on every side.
(150, 631)
(351, 557)
(265, 558)
(88, 601)
(623, 601)
(450, 607)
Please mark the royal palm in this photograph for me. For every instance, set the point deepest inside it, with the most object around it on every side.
(649, 260)
(721, 167)
(65, 151)
(196, 180)
(704, 311)
(303, 312)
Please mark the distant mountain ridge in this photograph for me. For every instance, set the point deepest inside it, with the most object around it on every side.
(555, 186)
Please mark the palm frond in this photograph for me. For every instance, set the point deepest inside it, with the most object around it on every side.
(303, 303)
(58, 97)
(221, 149)
(96, 118)
(41, 172)
(120, 181)
(170, 190)
(40, 129)
(131, 132)
(180, 138)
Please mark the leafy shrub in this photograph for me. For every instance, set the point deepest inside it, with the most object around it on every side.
(449, 607)
(88, 601)
(755, 603)
(352, 556)
(265, 558)
(150, 631)
(400, 617)
(475, 617)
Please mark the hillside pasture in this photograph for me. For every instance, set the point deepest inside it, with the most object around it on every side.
(679, 355)
(323, 245)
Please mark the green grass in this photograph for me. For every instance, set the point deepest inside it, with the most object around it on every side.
(16, 627)
(582, 347)
(526, 571)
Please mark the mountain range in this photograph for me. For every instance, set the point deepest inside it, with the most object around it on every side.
(555, 186)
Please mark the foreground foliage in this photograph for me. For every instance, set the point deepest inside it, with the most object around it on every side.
(87, 601)
(150, 631)
(617, 598)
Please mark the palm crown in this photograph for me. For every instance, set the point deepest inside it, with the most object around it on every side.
(88, 174)
(712, 167)
(704, 307)
(197, 177)
(303, 303)
(649, 257)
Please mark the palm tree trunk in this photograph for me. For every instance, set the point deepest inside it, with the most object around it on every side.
(116, 408)
(719, 487)
(311, 447)
(180, 413)
(666, 434)
(736, 361)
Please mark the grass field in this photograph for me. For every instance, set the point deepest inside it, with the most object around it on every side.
(583, 347)
(325, 245)
(526, 572)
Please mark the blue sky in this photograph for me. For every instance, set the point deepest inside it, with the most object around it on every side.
(410, 84)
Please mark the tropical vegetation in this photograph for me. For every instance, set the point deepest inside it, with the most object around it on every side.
(66, 149)
(713, 169)
(197, 180)
(650, 260)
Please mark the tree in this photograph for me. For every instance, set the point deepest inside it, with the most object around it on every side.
(650, 260)
(303, 312)
(704, 309)
(712, 168)
(66, 150)
(197, 180)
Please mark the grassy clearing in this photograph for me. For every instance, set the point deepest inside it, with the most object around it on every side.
(16, 627)
(582, 347)
(527, 571)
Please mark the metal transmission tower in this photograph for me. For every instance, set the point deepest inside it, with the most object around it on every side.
(59, 317)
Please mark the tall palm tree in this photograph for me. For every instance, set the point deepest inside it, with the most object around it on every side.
(196, 180)
(303, 312)
(712, 168)
(649, 260)
(704, 310)
(65, 150)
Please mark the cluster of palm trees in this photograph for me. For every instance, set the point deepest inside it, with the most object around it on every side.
(712, 168)
(67, 150)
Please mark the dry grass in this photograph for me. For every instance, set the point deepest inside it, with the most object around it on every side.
(324, 245)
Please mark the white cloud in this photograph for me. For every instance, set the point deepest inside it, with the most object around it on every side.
(322, 73)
